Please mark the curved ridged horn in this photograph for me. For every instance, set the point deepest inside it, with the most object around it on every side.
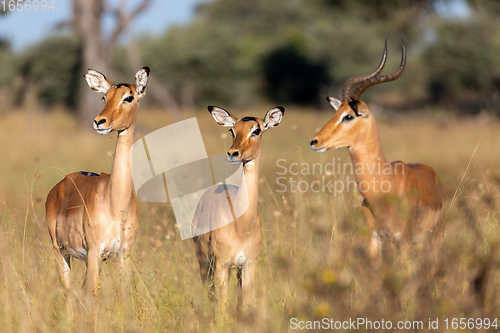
(346, 90)
(381, 79)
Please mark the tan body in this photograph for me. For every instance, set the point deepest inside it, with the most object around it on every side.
(94, 218)
(402, 201)
(237, 244)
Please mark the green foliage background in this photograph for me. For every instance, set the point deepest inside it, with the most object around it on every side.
(225, 55)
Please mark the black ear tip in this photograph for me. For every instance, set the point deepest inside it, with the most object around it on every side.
(282, 109)
(147, 69)
(210, 108)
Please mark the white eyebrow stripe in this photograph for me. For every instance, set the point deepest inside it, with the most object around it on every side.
(253, 129)
(341, 117)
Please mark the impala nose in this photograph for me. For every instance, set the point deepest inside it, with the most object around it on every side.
(233, 154)
(314, 142)
(100, 122)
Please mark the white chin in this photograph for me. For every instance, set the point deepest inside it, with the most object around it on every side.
(103, 131)
(319, 150)
(233, 161)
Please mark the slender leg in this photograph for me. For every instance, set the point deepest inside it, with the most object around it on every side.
(222, 276)
(125, 284)
(375, 246)
(63, 267)
(209, 277)
(91, 286)
(239, 278)
(248, 274)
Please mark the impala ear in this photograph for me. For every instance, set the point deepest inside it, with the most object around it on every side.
(141, 81)
(222, 117)
(97, 81)
(273, 117)
(334, 102)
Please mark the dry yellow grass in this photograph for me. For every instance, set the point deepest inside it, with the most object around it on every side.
(314, 260)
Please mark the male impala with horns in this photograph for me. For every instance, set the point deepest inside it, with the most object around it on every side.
(401, 201)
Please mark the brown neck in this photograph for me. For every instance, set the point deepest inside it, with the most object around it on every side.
(120, 186)
(250, 182)
(368, 160)
(251, 172)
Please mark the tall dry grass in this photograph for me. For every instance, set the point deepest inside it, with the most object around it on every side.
(314, 262)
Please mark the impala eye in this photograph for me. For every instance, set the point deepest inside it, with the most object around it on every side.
(129, 99)
(104, 99)
(257, 131)
(347, 118)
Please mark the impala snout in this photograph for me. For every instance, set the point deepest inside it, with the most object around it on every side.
(233, 156)
(100, 125)
(317, 146)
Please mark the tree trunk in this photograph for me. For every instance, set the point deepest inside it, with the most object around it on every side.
(87, 21)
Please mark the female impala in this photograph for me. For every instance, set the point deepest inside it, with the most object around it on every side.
(399, 199)
(94, 217)
(236, 244)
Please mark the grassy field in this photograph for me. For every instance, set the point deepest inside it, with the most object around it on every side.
(314, 262)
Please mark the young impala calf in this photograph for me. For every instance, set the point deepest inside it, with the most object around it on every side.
(400, 200)
(237, 244)
(94, 217)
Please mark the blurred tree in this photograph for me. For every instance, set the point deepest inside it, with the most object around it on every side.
(7, 63)
(231, 51)
(8, 70)
(295, 51)
(293, 78)
(56, 76)
(465, 75)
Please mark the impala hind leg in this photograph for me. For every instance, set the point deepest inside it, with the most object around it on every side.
(207, 264)
(208, 277)
(63, 264)
(91, 286)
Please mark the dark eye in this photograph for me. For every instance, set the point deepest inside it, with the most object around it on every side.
(257, 131)
(104, 99)
(347, 118)
(129, 99)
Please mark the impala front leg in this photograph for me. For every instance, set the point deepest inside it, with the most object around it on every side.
(222, 276)
(375, 244)
(126, 274)
(247, 276)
